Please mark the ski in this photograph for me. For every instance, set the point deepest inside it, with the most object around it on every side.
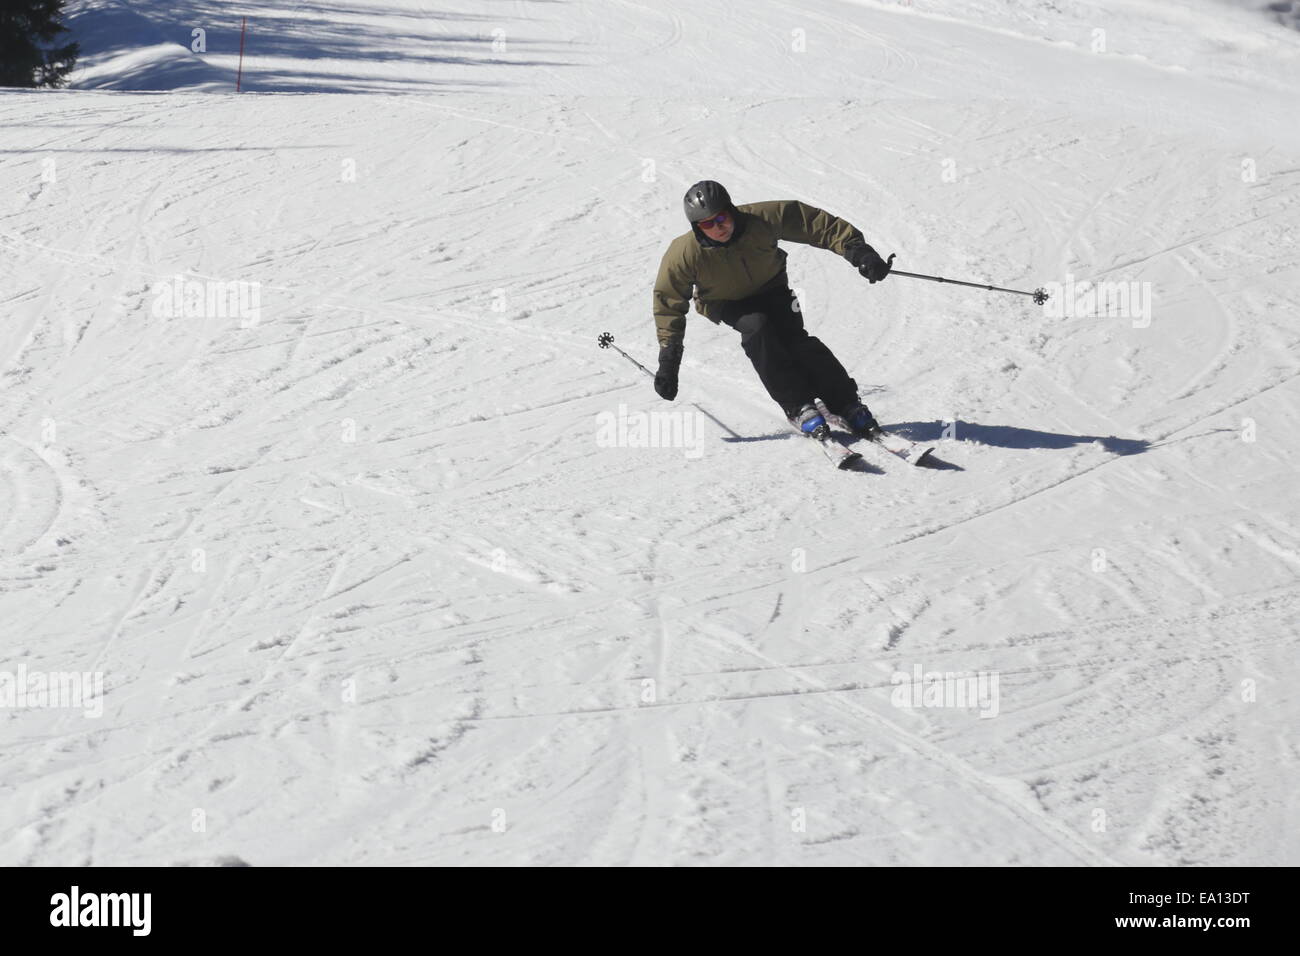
(906, 449)
(909, 451)
(836, 452)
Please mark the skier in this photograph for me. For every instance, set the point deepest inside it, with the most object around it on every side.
(731, 264)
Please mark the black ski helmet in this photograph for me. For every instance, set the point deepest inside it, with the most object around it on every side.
(705, 200)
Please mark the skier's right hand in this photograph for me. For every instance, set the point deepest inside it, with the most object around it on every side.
(670, 360)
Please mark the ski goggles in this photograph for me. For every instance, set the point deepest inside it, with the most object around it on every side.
(720, 219)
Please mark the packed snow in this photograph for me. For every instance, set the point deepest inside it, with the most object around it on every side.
(334, 538)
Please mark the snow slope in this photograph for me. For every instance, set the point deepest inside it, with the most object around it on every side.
(366, 584)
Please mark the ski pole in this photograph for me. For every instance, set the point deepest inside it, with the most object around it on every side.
(1040, 295)
(606, 341)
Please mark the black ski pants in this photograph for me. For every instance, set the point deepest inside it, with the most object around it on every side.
(795, 367)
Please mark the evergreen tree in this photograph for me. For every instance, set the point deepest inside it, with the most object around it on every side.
(28, 30)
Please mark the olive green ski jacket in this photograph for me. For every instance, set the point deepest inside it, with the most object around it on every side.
(749, 263)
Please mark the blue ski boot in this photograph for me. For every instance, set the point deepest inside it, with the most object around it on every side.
(811, 422)
(859, 418)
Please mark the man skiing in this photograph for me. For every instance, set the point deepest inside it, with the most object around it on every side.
(731, 264)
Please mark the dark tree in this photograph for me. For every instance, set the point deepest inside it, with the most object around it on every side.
(28, 56)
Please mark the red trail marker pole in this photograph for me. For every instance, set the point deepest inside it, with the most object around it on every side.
(239, 78)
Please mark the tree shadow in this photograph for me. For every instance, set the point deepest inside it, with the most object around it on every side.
(369, 49)
(1011, 436)
(1285, 12)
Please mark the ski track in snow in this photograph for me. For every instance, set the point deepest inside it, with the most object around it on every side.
(365, 588)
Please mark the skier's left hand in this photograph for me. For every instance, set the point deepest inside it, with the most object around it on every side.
(868, 262)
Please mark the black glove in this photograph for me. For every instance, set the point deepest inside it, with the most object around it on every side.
(868, 262)
(670, 360)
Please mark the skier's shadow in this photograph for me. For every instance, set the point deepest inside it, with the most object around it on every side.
(999, 436)
(1009, 436)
